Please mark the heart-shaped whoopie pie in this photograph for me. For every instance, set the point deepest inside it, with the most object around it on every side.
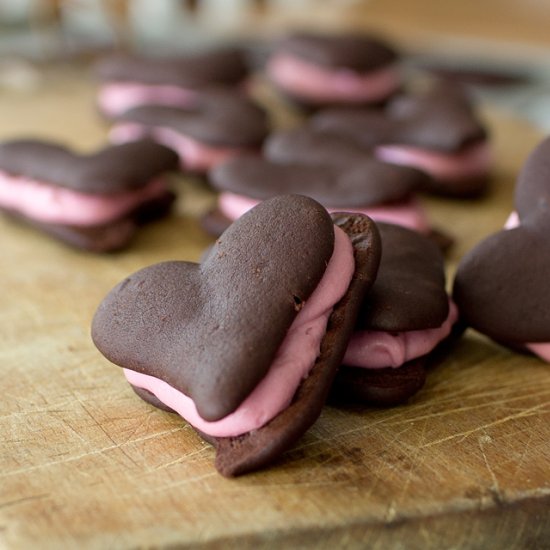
(212, 330)
(501, 284)
(408, 296)
(440, 123)
(111, 170)
(92, 201)
(128, 80)
(442, 118)
(335, 172)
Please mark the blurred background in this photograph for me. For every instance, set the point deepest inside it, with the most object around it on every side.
(500, 47)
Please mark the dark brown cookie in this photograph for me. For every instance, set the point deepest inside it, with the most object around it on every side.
(441, 122)
(219, 118)
(409, 292)
(110, 237)
(408, 295)
(367, 182)
(500, 285)
(359, 52)
(269, 262)
(195, 70)
(385, 387)
(111, 170)
(124, 175)
(532, 192)
(441, 119)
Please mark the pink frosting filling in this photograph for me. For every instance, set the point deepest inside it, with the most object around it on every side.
(372, 349)
(49, 203)
(293, 361)
(408, 214)
(118, 97)
(319, 84)
(542, 349)
(194, 155)
(472, 162)
(512, 221)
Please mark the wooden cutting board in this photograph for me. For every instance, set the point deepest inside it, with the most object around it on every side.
(84, 463)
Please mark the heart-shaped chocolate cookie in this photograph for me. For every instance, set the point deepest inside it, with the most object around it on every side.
(211, 331)
(532, 192)
(360, 52)
(442, 119)
(367, 182)
(217, 117)
(198, 70)
(501, 284)
(109, 171)
(211, 319)
(95, 201)
(437, 131)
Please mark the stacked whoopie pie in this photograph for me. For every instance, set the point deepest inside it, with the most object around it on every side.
(195, 104)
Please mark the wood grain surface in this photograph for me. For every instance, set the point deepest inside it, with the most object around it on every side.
(84, 463)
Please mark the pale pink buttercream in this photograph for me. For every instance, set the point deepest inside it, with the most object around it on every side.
(541, 349)
(194, 155)
(472, 162)
(512, 221)
(372, 349)
(408, 214)
(293, 361)
(320, 84)
(49, 203)
(118, 97)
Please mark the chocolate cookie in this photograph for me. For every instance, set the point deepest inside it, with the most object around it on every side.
(95, 202)
(339, 178)
(403, 319)
(317, 70)
(215, 126)
(196, 330)
(500, 285)
(359, 52)
(128, 80)
(437, 131)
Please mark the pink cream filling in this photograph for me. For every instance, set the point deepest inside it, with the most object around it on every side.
(408, 214)
(118, 97)
(542, 349)
(472, 162)
(318, 84)
(45, 202)
(194, 155)
(292, 363)
(372, 349)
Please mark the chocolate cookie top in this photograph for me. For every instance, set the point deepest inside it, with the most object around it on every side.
(111, 170)
(501, 284)
(409, 291)
(442, 119)
(359, 52)
(211, 330)
(304, 145)
(532, 191)
(366, 183)
(216, 117)
(194, 70)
